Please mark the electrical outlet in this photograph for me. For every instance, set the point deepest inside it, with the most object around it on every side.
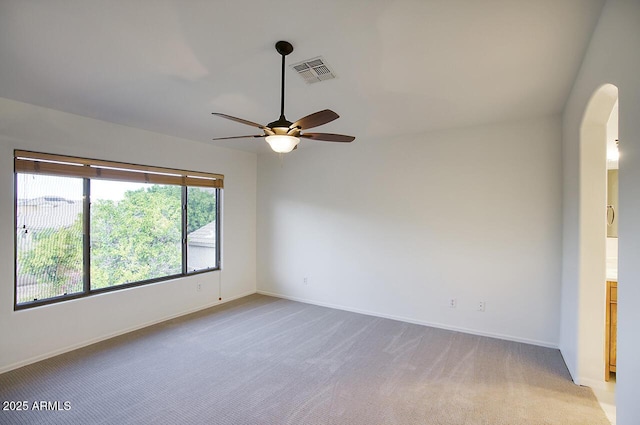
(481, 305)
(453, 303)
(199, 287)
(305, 280)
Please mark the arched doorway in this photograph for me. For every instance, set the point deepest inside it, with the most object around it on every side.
(594, 132)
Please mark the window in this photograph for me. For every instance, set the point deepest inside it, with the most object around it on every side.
(201, 229)
(86, 226)
(49, 236)
(136, 232)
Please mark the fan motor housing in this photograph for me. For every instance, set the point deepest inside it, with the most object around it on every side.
(284, 47)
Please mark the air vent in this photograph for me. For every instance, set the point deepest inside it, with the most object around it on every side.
(314, 70)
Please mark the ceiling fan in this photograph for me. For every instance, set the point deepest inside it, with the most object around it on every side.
(283, 136)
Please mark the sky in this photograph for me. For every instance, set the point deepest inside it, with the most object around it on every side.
(34, 186)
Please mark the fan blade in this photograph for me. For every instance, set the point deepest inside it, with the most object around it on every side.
(237, 137)
(328, 137)
(315, 119)
(240, 120)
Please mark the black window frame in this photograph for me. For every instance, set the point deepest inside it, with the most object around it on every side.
(195, 178)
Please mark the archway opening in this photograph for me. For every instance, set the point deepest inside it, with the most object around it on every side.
(596, 130)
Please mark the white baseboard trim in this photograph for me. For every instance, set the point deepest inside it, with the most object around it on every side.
(414, 321)
(117, 333)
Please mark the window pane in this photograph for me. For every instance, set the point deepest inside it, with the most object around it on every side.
(201, 229)
(135, 232)
(48, 236)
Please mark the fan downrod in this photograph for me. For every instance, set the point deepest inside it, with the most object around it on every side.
(284, 47)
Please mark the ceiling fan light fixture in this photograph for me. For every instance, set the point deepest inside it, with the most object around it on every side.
(282, 135)
(282, 143)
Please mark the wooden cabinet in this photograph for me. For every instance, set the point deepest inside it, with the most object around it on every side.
(611, 334)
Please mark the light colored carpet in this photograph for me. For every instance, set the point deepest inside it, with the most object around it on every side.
(263, 360)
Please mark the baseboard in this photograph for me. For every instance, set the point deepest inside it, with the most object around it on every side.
(573, 375)
(414, 321)
(117, 333)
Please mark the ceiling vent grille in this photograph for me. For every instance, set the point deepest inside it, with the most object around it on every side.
(314, 70)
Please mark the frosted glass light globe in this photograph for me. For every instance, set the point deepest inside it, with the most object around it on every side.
(282, 143)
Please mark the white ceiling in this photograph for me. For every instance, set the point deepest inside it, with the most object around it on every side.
(403, 67)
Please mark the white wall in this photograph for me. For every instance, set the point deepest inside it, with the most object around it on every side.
(613, 57)
(32, 334)
(396, 227)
